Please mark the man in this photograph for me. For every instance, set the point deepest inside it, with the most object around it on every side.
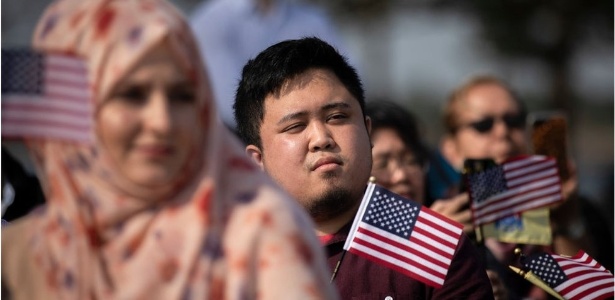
(300, 110)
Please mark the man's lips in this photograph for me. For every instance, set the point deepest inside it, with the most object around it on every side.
(326, 161)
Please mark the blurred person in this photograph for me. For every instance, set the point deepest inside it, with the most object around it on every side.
(21, 190)
(230, 32)
(162, 203)
(484, 118)
(300, 111)
(401, 160)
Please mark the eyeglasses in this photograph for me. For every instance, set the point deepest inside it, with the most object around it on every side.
(386, 165)
(512, 121)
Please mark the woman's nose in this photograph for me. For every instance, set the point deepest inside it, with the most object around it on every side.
(501, 128)
(157, 115)
(399, 174)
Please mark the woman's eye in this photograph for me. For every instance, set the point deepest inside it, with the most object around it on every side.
(410, 161)
(132, 94)
(182, 94)
(381, 164)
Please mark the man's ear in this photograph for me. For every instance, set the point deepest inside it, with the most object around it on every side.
(256, 154)
(368, 125)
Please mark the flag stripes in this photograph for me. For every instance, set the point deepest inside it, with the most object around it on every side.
(575, 278)
(587, 279)
(529, 183)
(45, 96)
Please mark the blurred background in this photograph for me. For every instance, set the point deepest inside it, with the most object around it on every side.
(557, 55)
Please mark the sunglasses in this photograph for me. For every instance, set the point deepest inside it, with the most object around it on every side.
(512, 121)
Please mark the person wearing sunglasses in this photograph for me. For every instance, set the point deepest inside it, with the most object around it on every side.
(483, 118)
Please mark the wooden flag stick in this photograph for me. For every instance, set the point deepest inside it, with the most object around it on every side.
(529, 276)
(337, 266)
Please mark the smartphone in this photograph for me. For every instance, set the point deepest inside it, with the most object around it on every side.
(548, 133)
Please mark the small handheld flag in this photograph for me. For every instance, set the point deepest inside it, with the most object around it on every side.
(45, 96)
(404, 236)
(574, 278)
(515, 186)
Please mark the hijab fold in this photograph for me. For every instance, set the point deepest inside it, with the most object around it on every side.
(221, 230)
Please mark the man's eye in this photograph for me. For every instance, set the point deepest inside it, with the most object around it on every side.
(337, 117)
(294, 128)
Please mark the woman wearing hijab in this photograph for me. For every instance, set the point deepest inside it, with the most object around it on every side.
(158, 201)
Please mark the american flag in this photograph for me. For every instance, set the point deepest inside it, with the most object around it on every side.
(577, 277)
(45, 96)
(404, 236)
(515, 186)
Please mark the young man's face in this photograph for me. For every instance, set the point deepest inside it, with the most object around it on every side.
(315, 143)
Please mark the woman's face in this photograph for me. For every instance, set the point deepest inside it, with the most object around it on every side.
(504, 138)
(395, 166)
(149, 123)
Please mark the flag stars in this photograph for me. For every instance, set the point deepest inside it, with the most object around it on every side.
(391, 213)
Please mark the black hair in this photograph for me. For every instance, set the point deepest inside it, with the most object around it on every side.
(267, 73)
(387, 114)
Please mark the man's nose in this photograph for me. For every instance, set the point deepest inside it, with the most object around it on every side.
(320, 137)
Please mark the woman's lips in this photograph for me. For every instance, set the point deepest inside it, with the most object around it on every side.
(156, 151)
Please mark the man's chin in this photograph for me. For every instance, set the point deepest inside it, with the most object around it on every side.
(331, 203)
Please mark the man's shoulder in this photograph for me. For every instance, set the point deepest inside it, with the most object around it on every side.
(467, 276)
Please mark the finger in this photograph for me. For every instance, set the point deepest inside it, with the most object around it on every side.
(443, 207)
(464, 216)
(460, 201)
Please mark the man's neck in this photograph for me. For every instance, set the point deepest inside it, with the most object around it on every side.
(331, 226)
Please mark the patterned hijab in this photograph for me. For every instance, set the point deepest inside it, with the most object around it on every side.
(221, 230)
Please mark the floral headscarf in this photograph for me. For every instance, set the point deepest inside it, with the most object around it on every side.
(222, 230)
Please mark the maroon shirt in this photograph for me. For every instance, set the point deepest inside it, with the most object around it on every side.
(360, 278)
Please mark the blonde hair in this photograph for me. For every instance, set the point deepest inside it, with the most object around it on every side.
(449, 116)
